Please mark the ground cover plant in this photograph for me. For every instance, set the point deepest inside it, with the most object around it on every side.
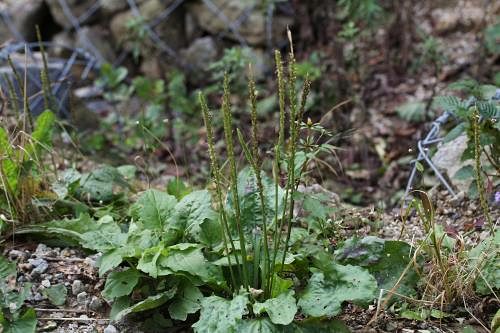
(243, 238)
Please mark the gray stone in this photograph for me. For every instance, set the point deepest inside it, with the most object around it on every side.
(197, 56)
(252, 29)
(46, 283)
(49, 326)
(96, 41)
(110, 329)
(447, 159)
(77, 8)
(77, 287)
(41, 249)
(24, 15)
(81, 298)
(170, 30)
(40, 266)
(16, 254)
(111, 7)
(96, 304)
(38, 297)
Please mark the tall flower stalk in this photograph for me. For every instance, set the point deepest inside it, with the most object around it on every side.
(268, 244)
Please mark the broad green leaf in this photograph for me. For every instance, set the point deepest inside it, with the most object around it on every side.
(109, 260)
(9, 167)
(280, 285)
(455, 132)
(149, 303)
(188, 258)
(250, 206)
(259, 325)
(66, 183)
(219, 315)
(465, 173)
(189, 214)
(495, 322)
(42, 135)
(7, 268)
(120, 283)
(149, 261)
(153, 208)
(156, 324)
(386, 260)
(119, 304)
(106, 236)
(485, 258)
(177, 188)
(326, 291)
(99, 184)
(187, 301)
(26, 323)
(56, 294)
(281, 310)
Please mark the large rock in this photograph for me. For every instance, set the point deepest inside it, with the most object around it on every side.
(253, 22)
(197, 57)
(170, 30)
(24, 15)
(448, 160)
(95, 40)
(77, 9)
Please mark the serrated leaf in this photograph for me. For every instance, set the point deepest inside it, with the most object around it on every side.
(26, 323)
(281, 310)
(488, 110)
(149, 303)
(455, 132)
(56, 294)
(219, 315)
(153, 208)
(326, 291)
(187, 301)
(312, 325)
(120, 283)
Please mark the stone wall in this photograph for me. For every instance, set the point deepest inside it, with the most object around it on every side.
(151, 35)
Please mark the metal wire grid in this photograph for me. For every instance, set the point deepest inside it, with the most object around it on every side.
(232, 27)
(59, 86)
(433, 138)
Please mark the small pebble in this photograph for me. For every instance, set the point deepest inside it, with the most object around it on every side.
(77, 287)
(38, 297)
(16, 254)
(110, 329)
(41, 249)
(50, 326)
(81, 298)
(40, 266)
(95, 304)
(46, 283)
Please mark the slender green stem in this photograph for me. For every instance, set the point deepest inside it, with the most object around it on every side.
(479, 176)
(277, 163)
(257, 170)
(228, 131)
(226, 232)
